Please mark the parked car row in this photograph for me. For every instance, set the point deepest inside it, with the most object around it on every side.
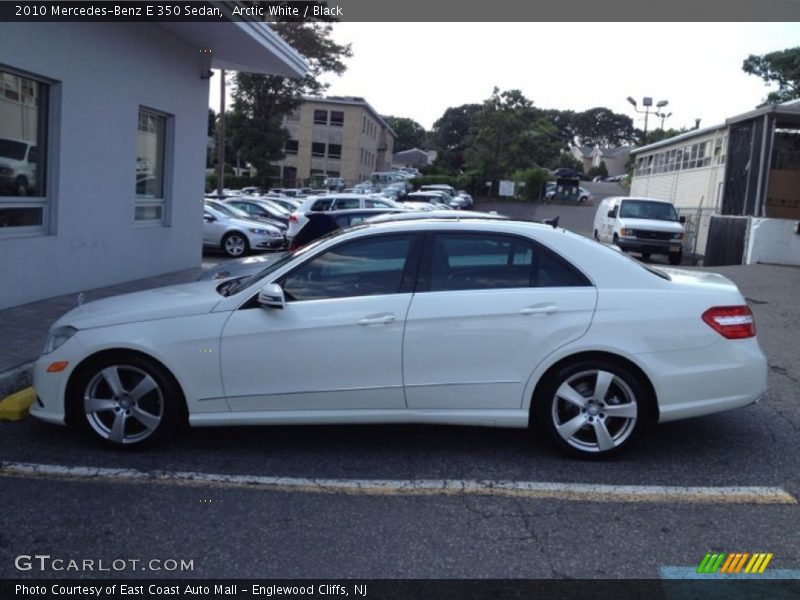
(289, 214)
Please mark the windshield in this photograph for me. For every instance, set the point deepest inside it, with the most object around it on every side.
(228, 210)
(11, 149)
(234, 286)
(644, 209)
(275, 207)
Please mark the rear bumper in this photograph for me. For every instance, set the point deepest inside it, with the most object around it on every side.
(690, 383)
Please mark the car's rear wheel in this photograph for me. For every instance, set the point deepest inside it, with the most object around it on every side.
(675, 258)
(126, 401)
(592, 408)
(234, 244)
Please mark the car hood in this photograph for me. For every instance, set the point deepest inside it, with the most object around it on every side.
(159, 303)
(248, 223)
(651, 225)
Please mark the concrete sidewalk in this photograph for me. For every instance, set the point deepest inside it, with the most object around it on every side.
(23, 329)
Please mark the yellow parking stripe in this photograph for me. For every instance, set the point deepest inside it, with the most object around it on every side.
(424, 487)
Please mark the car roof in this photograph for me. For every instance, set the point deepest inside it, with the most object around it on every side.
(445, 215)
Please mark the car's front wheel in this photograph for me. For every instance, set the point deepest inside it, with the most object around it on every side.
(234, 244)
(592, 408)
(126, 401)
(675, 258)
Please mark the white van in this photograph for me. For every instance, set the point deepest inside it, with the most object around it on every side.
(642, 225)
(17, 167)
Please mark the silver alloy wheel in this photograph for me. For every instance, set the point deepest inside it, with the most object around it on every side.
(123, 404)
(235, 245)
(594, 411)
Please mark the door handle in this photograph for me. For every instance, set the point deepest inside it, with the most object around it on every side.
(382, 320)
(546, 309)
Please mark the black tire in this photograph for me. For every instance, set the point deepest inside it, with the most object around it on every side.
(645, 256)
(21, 186)
(616, 240)
(145, 417)
(596, 237)
(675, 258)
(234, 244)
(577, 430)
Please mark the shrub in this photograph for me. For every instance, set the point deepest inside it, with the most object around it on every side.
(534, 180)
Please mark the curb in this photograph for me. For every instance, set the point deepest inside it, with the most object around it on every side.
(16, 379)
(15, 407)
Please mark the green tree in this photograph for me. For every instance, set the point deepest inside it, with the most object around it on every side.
(260, 102)
(410, 134)
(449, 137)
(781, 67)
(600, 126)
(509, 134)
(656, 135)
(566, 160)
(212, 122)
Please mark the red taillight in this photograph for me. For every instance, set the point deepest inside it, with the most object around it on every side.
(292, 218)
(732, 322)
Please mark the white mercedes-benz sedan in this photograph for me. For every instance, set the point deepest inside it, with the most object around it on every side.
(456, 321)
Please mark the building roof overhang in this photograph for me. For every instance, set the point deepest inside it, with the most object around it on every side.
(248, 46)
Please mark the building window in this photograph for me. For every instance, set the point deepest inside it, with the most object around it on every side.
(334, 151)
(363, 124)
(333, 174)
(293, 116)
(291, 147)
(320, 117)
(150, 166)
(318, 149)
(337, 118)
(23, 133)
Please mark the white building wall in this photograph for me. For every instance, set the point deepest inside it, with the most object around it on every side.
(695, 192)
(103, 73)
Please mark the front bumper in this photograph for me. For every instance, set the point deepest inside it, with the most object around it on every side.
(650, 246)
(270, 243)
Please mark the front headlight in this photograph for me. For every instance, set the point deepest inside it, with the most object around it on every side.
(627, 232)
(57, 337)
(677, 236)
(265, 232)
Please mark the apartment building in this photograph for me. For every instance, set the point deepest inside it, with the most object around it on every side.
(337, 136)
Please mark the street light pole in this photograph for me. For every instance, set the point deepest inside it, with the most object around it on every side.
(647, 102)
(221, 137)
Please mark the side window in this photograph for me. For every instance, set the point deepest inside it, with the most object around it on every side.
(366, 267)
(375, 204)
(480, 262)
(341, 203)
(321, 205)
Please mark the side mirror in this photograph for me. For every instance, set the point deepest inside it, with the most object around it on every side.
(271, 295)
(209, 218)
(612, 214)
(682, 219)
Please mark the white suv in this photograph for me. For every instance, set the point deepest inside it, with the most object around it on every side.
(335, 202)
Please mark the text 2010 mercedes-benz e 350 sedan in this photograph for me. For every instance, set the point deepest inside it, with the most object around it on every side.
(458, 321)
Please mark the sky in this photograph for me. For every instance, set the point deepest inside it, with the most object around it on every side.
(418, 70)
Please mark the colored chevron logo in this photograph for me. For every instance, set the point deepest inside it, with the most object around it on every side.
(720, 562)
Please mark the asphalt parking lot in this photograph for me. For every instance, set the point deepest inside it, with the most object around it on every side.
(273, 502)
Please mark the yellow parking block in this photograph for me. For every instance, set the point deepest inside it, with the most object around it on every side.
(15, 407)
